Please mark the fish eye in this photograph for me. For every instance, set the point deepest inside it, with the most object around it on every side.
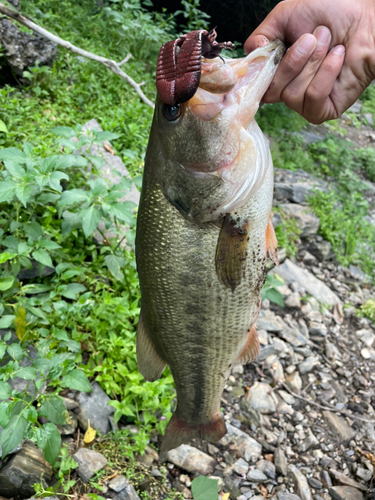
(172, 113)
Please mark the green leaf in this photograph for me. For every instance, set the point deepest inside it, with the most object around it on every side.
(6, 256)
(90, 219)
(49, 440)
(72, 196)
(7, 190)
(6, 321)
(23, 193)
(77, 380)
(14, 169)
(122, 211)
(33, 230)
(27, 373)
(50, 245)
(6, 283)
(54, 409)
(72, 290)
(67, 132)
(13, 154)
(106, 136)
(43, 257)
(114, 265)
(3, 127)
(15, 351)
(4, 413)
(274, 296)
(36, 288)
(13, 434)
(5, 390)
(204, 488)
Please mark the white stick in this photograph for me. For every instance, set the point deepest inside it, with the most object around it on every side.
(109, 63)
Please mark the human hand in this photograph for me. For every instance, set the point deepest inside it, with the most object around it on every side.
(331, 59)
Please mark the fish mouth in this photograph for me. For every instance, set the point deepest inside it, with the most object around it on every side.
(229, 94)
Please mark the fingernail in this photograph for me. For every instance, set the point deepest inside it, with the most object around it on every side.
(306, 44)
(338, 50)
(323, 35)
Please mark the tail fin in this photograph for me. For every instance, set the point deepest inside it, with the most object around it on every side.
(179, 432)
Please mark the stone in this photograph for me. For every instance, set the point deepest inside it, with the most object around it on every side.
(309, 442)
(308, 364)
(240, 466)
(192, 460)
(317, 329)
(28, 274)
(300, 482)
(70, 427)
(128, 493)
(94, 407)
(338, 426)
(307, 222)
(368, 353)
(280, 461)
(267, 467)
(261, 398)
(364, 474)
(346, 480)
(322, 250)
(287, 496)
(293, 301)
(118, 483)
(256, 476)
(366, 336)
(345, 493)
(89, 462)
(287, 397)
(291, 272)
(369, 118)
(315, 483)
(294, 381)
(245, 446)
(356, 107)
(22, 50)
(22, 470)
(294, 336)
(70, 404)
(268, 321)
(272, 363)
(308, 258)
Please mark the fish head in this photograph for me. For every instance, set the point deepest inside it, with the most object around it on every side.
(209, 144)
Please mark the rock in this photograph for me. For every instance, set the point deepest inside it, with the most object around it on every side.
(369, 118)
(22, 50)
(291, 272)
(287, 496)
(309, 442)
(308, 364)
(128, 493)
(294, 381)
(256, 476)
(287, 397)
(70, 404)
(268, 321)
(300, 482)
(345, 493)
(262, 398)
(366, 336)
(70, 428)
(308, 258)
(345, 480)
(22, 470)
(317, 329)
(89, 462)
(307, 222)
(118, 483)
(294, 336)
(192, 460)
(338, 426)
(315, 483)
(28, 274)
(322, 250)
(364, 474)
(356, 107)
(275, 367)
(293, 301)
(280, 461)
(296, 186)
(240, 467)
(267, 467)
(94, 407)
(368, 353)
(245, 446)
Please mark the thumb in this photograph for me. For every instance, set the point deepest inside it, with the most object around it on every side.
(272, 28)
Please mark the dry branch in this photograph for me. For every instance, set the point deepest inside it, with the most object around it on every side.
(109, 63)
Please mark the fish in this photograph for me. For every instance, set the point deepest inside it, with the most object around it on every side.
(203, 235)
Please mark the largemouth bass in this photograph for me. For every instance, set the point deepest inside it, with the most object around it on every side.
(203, 235)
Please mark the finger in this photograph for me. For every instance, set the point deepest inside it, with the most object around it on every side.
(272, 28)
(319, 105)
(294, 93)
(256, 41)
(291, 65)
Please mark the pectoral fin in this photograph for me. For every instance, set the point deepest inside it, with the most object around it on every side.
(251, 349)
(150, 364)
(231, 252)
(271, 243)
